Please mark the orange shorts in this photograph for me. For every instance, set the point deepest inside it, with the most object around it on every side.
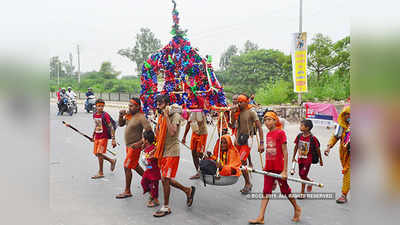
(100, 146)
(198, 142)
(132, 157)
(169, 166)
(244, 151)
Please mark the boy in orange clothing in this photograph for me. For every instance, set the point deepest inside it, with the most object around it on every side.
(100, 137)
(276, 162)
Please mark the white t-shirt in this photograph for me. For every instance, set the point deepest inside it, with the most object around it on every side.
(71, 94)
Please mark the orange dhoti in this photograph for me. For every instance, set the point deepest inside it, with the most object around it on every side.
(132, 158)
(100, 146)
(169, 166)
(198, 142)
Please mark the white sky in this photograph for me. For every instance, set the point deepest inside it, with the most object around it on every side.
(102, 27)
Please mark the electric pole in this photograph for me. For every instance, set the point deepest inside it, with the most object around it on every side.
(79, 65)
(71, 65)
(58, 74)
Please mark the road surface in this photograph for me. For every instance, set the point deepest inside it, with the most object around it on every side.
(76, 199)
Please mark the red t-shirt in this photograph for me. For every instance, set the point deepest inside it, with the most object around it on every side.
(274, 156)
(304, 150)
(100, 130)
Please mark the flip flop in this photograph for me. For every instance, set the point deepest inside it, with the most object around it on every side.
(123, 195)
(152, 204)
(162, 212)
(256, 222)
(189, 201)
(341, 200)
(246, 190)
(97, 176)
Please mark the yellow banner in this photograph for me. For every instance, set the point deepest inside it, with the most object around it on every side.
(299, 62)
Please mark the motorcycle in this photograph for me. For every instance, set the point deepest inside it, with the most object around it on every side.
(90, 103)
(65, 105)
(73, 104)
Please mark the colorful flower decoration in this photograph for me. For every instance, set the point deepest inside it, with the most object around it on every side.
(189, 79)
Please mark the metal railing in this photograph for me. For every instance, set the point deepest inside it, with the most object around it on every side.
(116, 97)
(291, 113)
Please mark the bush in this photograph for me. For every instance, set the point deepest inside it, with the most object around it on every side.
(278, 92)
(330, 87)
(98, 85)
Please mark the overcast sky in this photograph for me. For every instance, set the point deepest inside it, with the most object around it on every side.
(102, 27)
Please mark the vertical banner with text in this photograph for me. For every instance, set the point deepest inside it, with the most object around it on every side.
(299, 62)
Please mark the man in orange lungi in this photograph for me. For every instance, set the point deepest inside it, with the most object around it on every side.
(167, 153)
(197, 121)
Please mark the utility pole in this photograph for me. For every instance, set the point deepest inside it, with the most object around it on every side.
(70, 64)
(58, 74)
(300, 31)
(79, 65)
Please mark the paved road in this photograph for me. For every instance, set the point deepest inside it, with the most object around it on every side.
(77, 199)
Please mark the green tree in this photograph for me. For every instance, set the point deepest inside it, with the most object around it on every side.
(225, 59)
(343, 52)
(320, 55)
(324, 55)
(275, 92)
(249, 46)
(251, 70)
(107, 71)
(146, 44)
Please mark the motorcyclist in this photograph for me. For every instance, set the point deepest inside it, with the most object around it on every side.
(89, 92)
(63, 94)
(71, 93)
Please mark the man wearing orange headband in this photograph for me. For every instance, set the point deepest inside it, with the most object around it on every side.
(276, 162)
(246, 120)
(101, 135)
(135, 122)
